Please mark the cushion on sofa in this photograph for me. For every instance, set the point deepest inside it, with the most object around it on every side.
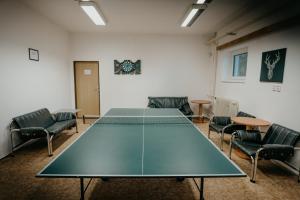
(278, 134)
(32, 132)
(60, 126)
(215, 127)
(62, 116)
(167, 102)
(180, 103)
(39, 118)
(248, 148)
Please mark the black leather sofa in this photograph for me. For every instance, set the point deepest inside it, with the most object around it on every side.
(181, 103)
(41, 123)
(223, 125)
(277, 144)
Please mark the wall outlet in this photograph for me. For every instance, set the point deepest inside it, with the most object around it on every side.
(276, 88)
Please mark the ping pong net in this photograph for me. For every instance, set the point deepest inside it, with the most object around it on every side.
(143, 120)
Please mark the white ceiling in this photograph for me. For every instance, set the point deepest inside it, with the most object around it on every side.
(140, 16)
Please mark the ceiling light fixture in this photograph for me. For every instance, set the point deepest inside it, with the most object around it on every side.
(189, 17)
(200, 2)
(93, 11)
(203, 1)
(192, 14)
(194, 11)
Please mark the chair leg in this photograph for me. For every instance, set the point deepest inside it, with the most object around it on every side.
(299, 176)
(76, 127)
(230, 149)
(208, 135)
(252, 168)
(12, 143)
(255, 164)
(49, 142)
(255, 169)
(221, 142)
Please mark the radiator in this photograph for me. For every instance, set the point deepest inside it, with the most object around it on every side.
(224, 107)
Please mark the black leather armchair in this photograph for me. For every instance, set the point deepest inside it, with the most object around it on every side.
(278, 144)
(181, 103)
(40, 124)
(223, 124)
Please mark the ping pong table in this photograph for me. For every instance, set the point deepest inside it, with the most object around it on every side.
(141, 143)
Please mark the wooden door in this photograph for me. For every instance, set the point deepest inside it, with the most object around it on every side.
(87, 92)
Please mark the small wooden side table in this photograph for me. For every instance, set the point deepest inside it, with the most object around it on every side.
(200, 119)
(250, 122)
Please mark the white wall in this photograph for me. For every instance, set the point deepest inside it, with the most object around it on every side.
(171, 66)
(257, 97)
(28, 85)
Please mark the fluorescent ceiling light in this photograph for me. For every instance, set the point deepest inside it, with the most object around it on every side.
(92, 10)
(201, 1)
(193, 13)
(189, 17)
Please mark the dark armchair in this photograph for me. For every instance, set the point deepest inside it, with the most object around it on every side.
(278, 144)
(181, 103)
(222, 125)
(41, 124)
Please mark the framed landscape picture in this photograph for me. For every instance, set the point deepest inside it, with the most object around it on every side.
(272, 66)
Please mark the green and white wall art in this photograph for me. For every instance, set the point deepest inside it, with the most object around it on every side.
(127, 67)
(272, 66)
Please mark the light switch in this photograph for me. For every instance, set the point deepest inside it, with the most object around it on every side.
(278, 88)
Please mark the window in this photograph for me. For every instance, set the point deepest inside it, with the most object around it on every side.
(234, 65)
(239, 65)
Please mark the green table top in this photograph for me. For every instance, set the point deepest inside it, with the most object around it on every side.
(142, 143)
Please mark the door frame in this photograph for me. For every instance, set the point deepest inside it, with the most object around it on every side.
(75, 93)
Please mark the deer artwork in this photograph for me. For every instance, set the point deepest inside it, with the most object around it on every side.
(271, 65)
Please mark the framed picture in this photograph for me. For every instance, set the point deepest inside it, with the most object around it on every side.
(272, 66)
(33, 54)
(127, 67)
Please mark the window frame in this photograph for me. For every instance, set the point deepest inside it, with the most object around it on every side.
(228, 66)
(234, 67)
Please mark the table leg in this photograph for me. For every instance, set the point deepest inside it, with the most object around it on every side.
(83, 119)
(81, 189)
(200, 113)
(179, 179)
(202, 189)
